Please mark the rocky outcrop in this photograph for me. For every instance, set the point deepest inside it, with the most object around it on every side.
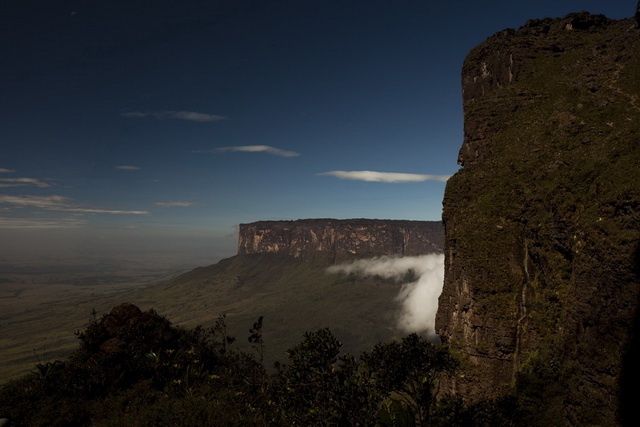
(336, 240)
(543, 221)
(124, 330)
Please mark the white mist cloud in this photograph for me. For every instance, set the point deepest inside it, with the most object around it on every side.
(128, 168)
(192, 116)
(259, 149)
(419, 299)
(5, 170)
(373, 176)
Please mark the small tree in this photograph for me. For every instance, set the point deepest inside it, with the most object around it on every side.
(256, 338)
(407, 372)
(220, 328)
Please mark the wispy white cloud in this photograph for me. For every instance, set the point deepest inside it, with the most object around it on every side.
(192, 116)
(174, 204)
(256, 149)
(42, 202)
(5, 170)
(372, 176)
(195, 117)
(59, 203)
(67, 222)
(137, 114)
(105, 211)
(128, 168)
(22, 182)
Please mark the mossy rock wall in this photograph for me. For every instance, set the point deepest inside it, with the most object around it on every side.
(542, 223)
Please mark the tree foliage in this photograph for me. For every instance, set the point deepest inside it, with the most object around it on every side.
(149, 372)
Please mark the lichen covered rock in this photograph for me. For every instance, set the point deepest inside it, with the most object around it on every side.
(542, 223)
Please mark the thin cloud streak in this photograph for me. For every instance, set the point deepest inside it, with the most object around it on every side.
(128, 168)
(5, 170)
(22, 182)
(105, 211)
(256, 149)
(42, 202)
(192, 116)
(19, 223)
(174, 204)
(195, 117)
(373, 176)
(59, 203)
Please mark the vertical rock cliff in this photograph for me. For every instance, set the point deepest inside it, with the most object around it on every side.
(542, 223)
(335, 240)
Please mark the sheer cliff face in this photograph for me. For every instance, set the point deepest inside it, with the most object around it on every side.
(542, 223)
(336, 240)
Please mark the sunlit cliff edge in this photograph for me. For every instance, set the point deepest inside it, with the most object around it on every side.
(542, 223)
(336, 239)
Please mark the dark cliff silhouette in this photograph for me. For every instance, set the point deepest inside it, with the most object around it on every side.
(542, 223)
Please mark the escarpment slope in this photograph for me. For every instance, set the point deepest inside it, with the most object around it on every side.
(542, 223)
(280, 272)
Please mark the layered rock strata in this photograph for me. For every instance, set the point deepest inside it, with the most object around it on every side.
(336, 240)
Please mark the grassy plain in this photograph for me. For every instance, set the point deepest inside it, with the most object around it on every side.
(41, 308)
(39, 312)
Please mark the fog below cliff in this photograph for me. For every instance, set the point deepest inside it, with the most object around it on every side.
(421, 278)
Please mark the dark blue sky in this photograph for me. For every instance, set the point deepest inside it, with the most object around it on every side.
(133, 126)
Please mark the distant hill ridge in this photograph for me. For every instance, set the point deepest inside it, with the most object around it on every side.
(341, 239)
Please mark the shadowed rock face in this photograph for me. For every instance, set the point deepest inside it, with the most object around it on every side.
(543, 220)
(336, 240)
(113, 333)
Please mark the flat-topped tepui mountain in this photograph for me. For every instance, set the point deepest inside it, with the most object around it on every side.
(340, 239)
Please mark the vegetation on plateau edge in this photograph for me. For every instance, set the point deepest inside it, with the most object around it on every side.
(136, 368)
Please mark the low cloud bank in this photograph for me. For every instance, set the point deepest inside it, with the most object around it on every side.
(418, 299)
